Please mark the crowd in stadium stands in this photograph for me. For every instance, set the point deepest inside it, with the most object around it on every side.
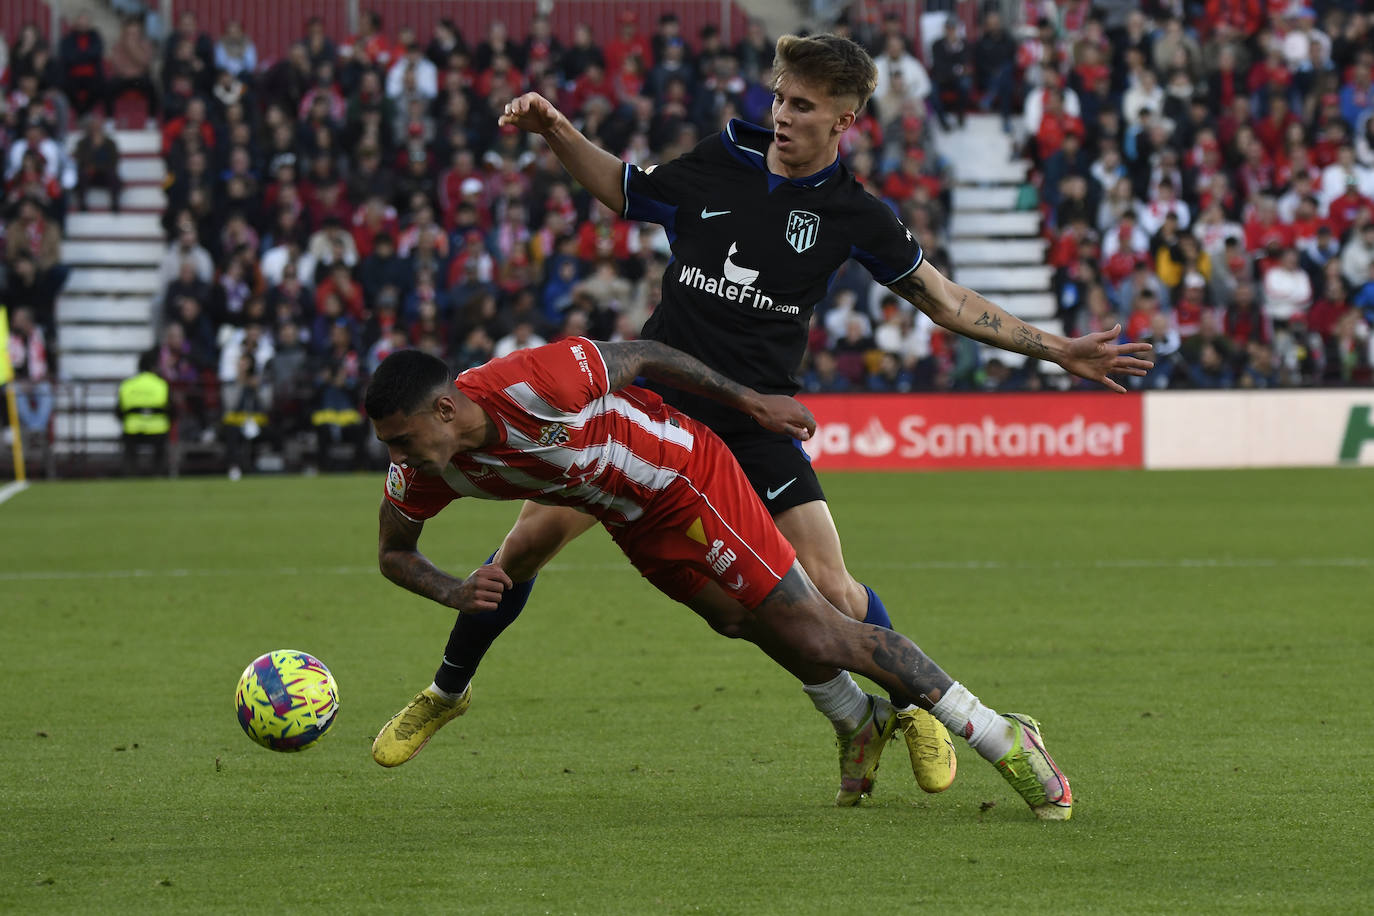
(1205, 173)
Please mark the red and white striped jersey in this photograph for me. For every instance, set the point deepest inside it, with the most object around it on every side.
(566, 439)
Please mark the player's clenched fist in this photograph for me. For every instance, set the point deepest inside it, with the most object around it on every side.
(530, 112)
(482, 590)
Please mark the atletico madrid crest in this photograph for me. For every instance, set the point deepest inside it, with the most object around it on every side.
(802, 226)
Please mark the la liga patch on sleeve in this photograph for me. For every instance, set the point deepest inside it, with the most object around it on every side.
(396, 483)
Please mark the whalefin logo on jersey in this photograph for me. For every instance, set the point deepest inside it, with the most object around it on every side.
(744, 276)
(553, 434)
(802, 228)
(396, 483)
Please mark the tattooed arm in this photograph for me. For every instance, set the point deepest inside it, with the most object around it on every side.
(400, 559)
(965, 312)
(627, 360)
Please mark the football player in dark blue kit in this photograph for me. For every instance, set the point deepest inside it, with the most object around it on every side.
(759, 221)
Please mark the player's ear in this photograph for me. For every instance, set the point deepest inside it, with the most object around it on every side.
(845, 120)
(444, 408)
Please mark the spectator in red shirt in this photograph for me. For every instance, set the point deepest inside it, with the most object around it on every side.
(340, 284)
(1345, 210)
(193, 121)
(1246, 16)
(1263, 231)
(370, 46)
(628, 41)
(1055, 124)
(1272, 129)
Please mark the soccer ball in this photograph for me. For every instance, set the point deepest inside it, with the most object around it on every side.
(286, 700)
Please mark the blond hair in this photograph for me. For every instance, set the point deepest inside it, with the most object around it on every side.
(830, 62)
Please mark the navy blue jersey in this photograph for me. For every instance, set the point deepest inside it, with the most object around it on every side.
(753, 252)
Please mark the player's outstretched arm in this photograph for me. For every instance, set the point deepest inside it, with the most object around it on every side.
(1094, 356)
(400, 559)
(629, 359)
(595, 169)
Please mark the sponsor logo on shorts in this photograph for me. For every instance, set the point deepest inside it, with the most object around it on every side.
(719, 557)
(772, 494)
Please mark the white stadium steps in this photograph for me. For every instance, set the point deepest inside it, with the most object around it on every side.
(126, 226)
(79, 367)
(112, 253)
(1034, 307)
(1002, 251)
(968, 198)
(88, 424)
(78, 309)
(1005, 279)
(995, 225)
(142, 169)
(136, 142)
(108, 280)
(994, 247)
(94, 396)
(139, 198)
(116, 338)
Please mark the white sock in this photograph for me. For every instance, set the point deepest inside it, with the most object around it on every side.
(841, 701)
(984, 730)
(444, 694)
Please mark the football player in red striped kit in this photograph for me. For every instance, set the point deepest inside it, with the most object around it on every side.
(562, 425)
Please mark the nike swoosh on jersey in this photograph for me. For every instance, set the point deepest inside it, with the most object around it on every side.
(707, 214)
(774, 494)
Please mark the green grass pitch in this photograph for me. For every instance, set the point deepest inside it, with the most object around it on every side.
(1199, 647)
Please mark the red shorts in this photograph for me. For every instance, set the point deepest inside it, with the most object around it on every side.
(708, 525)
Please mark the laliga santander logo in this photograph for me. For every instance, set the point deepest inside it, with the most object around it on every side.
(874, 441)
(918, 439)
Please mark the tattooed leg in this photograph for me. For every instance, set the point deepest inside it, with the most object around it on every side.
(802, 619)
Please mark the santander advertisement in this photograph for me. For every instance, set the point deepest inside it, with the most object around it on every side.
(878, 432)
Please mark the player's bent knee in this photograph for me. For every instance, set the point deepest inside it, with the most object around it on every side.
(731, 623)
(843, 591)
(525, 552)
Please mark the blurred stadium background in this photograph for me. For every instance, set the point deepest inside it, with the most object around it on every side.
(314, 184)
